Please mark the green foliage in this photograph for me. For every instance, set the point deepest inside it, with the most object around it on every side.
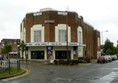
(13, 71)
(108, 48)
(72, 62)
(66, 62)
(7, 48)
(84, 60)
(81, 60)
(22, 47)
(87, 59)
(116, 50)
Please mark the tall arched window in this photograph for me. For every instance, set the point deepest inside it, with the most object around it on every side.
(80, 35)
(60, 33)
(80, 41)
(37, 33)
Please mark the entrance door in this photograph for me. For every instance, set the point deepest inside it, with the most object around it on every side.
(61, 54)
(37, 54)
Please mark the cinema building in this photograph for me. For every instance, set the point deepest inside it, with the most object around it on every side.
(59, 34)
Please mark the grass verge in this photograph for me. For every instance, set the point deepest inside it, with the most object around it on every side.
(13, 72)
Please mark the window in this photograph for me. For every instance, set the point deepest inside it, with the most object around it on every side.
(80, 41)
(62, 35)
(37, 54)
(62, 54)
(37, 33)
(37, 36)
(80, 36)
(98, 41)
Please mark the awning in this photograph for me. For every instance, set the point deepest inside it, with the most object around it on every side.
(13, 52)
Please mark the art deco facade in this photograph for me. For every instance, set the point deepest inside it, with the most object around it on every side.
(58, 34)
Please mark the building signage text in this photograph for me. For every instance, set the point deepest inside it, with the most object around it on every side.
(55, 44)
(49, 21)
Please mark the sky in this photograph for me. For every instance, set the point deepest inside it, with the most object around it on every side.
(101, 14)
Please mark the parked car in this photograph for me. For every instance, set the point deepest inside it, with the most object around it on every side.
(109, 58)
(1, 58)
(101, 59)
(114, 57)
(104, 59)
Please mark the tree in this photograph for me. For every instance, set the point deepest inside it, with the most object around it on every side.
(6, 49)
(116, 50)
(22, 48)
(108, 48)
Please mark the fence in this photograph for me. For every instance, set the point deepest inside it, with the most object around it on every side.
(5, 65)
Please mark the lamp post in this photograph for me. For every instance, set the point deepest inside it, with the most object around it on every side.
(68, 57)
(102, 35)
(18, 56)
(67, 36)
(18, 51)
(66, 32)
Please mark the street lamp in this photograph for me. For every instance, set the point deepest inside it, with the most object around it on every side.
(67, 36)
(18, 51)
(102, 35)
(68, 56)
(18, 55)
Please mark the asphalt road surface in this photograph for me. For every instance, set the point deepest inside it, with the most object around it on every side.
(81, 73)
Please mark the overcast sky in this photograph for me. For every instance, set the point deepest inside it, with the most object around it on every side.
(101, 14)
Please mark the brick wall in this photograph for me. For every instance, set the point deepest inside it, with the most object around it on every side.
(73, 20)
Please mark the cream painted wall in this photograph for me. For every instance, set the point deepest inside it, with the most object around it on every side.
(22, 32)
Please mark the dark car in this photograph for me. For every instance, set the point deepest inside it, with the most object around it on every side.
(1, 58)
(101, 59)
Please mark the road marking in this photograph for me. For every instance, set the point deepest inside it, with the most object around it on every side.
(108, 78)
(115, 68)
(62, 79)
(16, 77)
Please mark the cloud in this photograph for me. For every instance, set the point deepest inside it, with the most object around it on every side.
(102, 14)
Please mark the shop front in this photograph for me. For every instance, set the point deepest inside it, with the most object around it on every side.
(46, 50)
(37, 54)
(62, 54)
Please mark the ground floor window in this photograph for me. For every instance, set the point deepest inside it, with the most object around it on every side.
(61, 54)
(37, 54)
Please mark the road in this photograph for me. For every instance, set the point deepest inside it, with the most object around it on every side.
(86, 73)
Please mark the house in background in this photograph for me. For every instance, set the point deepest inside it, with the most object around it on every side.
(14, 44)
